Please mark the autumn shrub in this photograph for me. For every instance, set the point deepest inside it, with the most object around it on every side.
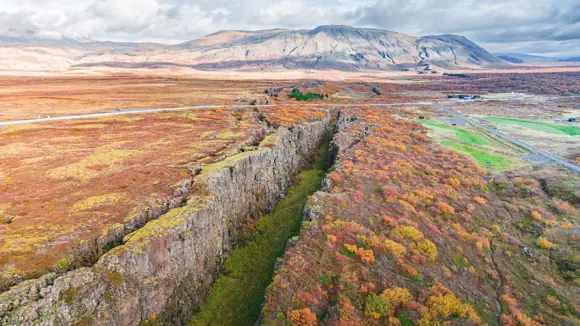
(376, 306)
(396, 249)
(397, 296)
(444, 306)
(543, 242)
(427, 248)
(446, 208)
(535, 215)
(334, 177)
(301, 317)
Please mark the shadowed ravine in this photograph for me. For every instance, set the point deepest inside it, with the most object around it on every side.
(237, 295)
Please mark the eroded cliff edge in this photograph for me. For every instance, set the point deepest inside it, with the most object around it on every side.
(164, 270)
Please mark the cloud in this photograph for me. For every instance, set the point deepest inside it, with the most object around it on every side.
(539, 26)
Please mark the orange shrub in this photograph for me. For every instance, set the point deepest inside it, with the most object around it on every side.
(334, 177)
(301, 317)
(479, 200)
(366, 255)
(446, 208)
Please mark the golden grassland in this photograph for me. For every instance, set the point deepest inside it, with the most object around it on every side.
(69, 181)
(62, 183)
(30, 97)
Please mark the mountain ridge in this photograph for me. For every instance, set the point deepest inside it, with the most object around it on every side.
(324, 47)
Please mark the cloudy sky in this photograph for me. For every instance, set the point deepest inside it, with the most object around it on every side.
(547, 27)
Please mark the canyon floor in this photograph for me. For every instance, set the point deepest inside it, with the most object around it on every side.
(137, 217)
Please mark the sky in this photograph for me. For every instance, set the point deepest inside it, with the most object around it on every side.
(544, 27)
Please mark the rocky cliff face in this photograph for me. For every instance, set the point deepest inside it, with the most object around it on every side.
(163, 270)
(325, 47)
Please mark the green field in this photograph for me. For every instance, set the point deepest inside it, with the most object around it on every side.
(237, 295)
(538, 126)
(474, 144)
(484, 158)
(462, 135)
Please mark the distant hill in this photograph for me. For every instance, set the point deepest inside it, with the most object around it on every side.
(325, 47)
(521, 58)
(510, 59)
(572, 59)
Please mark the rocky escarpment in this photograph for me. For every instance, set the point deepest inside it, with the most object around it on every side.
(163, 270)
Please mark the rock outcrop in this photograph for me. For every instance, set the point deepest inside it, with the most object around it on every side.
(164, 270)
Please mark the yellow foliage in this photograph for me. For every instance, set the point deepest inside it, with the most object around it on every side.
(544, 243)
(409, 232)
(107, 155)
(536, 216)
(337, 224)
(426, 248)
(97, 201)
(397, 296)
(442, 307)
(396, 249)
(351, 248)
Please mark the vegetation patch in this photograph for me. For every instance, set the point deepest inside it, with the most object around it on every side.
(476, 145)
(97, 201)
(538, 126)
(463, 135)
(299, 96)
(484, 158)
(236, 296)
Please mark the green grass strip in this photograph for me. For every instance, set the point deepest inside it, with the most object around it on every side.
(237, 295)
(470, 138)
(461, 134)
(483, 158)
(538, 126)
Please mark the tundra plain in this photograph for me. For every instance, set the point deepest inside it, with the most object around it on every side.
(420, 221)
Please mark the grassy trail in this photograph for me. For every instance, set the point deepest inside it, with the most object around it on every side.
(237, 295)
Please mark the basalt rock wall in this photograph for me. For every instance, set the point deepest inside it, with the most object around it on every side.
(163, 271)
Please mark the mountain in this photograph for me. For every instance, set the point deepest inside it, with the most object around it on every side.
(525, 57)
(510, 59)
(325, 47)
(571, 59)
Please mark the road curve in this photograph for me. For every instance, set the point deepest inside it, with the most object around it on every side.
(520, 143)
(122, 112)
(183, 108)
(535, 150)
